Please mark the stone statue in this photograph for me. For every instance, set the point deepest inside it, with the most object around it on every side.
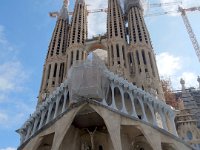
(92, 137)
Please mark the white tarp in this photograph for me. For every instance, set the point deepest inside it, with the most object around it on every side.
(87, 80)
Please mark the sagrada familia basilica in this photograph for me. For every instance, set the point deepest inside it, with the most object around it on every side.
(115, 103)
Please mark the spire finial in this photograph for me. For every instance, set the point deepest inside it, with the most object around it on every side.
(66, 3)
(198, 79)
(182, 83)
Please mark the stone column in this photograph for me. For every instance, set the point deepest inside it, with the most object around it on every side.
(163, 120)
(57, 105)
(28, 131)
(144, 118)
(49, 112)
(35, 125)
(42, 119)
(65, 100)
(124, 110)
(171, 118)
(113, 97)
(133, 105)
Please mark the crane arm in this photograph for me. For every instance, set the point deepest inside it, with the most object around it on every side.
(165, 4)
(189, 29)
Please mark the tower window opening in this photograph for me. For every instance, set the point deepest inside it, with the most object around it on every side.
(61, 72)
(117, 46)
(112, 54)
(124, 55)
(144, 58)
(138, 57)
(151, 63)
(71, 57)
(130, 58)
(48, 74)
(55, 70)
(77, 55)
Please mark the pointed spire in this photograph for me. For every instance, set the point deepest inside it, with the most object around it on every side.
(66, 3)
(198, 79)
(183, 84)
(64, 10)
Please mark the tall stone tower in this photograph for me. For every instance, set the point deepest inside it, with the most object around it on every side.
(142, 66)
(77, 34)
(116, 38)
(66, 46)
(55, 65)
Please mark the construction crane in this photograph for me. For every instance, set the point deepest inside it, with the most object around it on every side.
(189, 28)
(187, 24)
(165, 4)
(66, 2)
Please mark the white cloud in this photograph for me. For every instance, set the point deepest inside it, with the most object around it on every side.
(190, 79)
(12, 75)
(8, 148)
(168, 64)
(96, 21)
(171, 66)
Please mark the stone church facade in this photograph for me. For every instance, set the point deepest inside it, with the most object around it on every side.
(88, 104)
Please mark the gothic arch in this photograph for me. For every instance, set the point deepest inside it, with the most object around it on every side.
(134, 137)
(87, 130)
(45, 142)
(95, 46)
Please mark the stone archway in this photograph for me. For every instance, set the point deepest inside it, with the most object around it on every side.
(167, 146)
(46, 142)
(134, 139)
(87, 132)
(95, 46)
(99, 49)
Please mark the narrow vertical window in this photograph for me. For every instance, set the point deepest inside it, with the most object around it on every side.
(124, 55)
(71, 57)
(144, 58)
(77, 55)
(138, 57)
(112, 54)
(62, 71)
(55, 70)
(117, 46)
(151, 62)
(130, 58)
(49, 71)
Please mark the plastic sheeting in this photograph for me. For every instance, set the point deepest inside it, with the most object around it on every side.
(87, 79)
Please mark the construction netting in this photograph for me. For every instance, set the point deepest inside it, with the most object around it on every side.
(87, 79)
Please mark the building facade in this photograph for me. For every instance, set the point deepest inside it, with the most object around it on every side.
(188, 117)
(86, 104)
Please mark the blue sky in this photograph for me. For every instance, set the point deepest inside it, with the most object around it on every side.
(25, 32)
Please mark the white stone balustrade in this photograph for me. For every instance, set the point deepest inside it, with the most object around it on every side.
(121, 96)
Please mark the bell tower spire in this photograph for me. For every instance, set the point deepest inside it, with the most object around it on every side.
(55, 65)
(141, 59)
(77, 34)
(116, 38)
